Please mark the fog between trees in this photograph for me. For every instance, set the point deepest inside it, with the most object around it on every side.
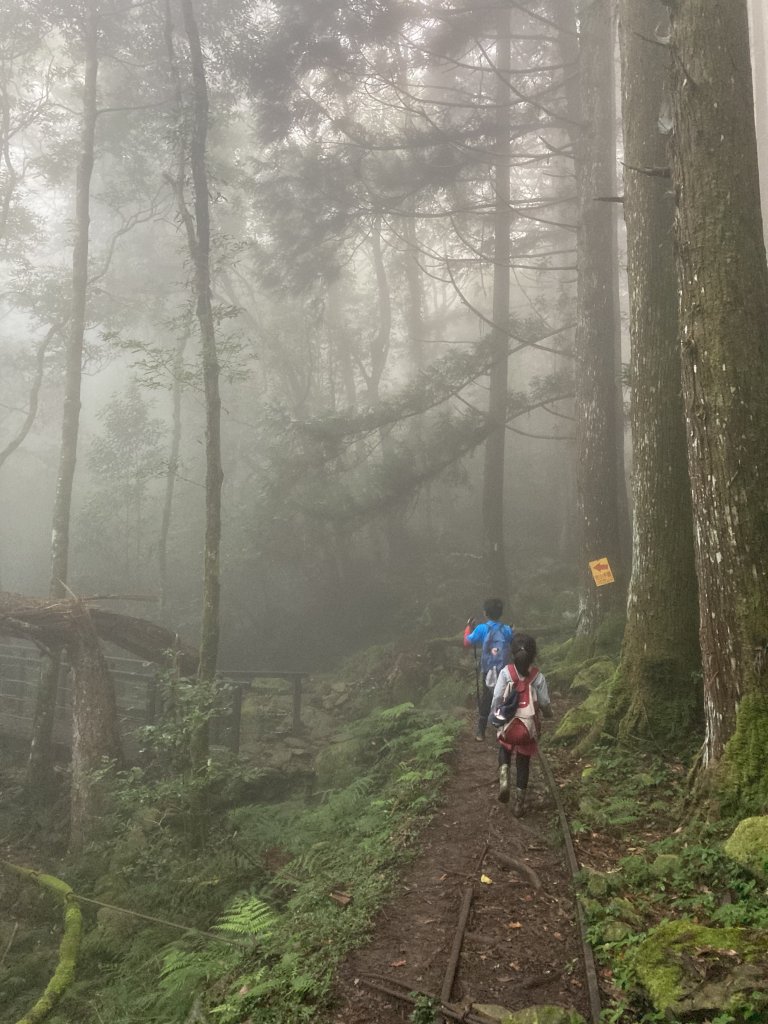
(332, 302)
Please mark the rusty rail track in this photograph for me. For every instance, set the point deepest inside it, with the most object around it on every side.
(444, 1008)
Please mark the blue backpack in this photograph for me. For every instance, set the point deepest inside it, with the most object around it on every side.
(496, 648)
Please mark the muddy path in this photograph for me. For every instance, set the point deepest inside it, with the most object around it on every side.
(521, 944)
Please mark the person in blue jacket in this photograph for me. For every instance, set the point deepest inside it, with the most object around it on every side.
(494, 638)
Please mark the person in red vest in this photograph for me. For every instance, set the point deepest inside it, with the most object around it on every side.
(520, 698)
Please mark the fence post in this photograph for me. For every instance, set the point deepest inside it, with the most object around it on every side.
(297, 704)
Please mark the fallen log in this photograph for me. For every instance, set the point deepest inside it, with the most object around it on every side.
(54, 623)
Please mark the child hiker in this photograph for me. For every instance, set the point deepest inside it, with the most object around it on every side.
(521, 693)
(494, 637)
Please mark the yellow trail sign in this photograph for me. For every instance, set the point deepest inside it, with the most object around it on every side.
(601, 572)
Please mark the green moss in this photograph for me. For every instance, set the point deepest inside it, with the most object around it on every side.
(623, 910)
(597, 885)
(748, 846)
(617, 931)
(68, 948)
(745, 766)
(655, 697)
(588, 717)
(674, 961)
(594, 675)
(530, 1015)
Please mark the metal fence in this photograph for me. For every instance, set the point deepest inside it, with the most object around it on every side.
(137, 691)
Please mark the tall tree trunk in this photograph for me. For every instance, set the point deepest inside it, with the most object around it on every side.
(340, 343)
(209, 640)
(597, 371)
(759, 34)
(394, 531)
(657, 696)
(95, 735)
(494, 550)
(170, 477)
(40, 765)
(414, 320)
(724, 340)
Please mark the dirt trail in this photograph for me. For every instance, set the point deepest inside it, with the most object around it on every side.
(521, 946)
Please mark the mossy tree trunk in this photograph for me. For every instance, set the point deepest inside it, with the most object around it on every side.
(656, 695)
(724, 340)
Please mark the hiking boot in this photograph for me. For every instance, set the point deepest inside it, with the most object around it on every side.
(519, 803)
(504, 783)
(480, 734)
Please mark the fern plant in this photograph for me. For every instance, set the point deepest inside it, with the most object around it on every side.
(247, 916)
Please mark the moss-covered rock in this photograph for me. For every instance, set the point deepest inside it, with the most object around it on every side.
(686, 967)
(596, 884)
(616, 931)
(594, 909)
(748, 846)
(623, 910)
(530, 1015)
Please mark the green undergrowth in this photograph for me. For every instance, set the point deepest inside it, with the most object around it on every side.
(273, 900)
(678, 927)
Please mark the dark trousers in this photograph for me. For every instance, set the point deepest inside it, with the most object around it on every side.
(522, 766)
(483, 708)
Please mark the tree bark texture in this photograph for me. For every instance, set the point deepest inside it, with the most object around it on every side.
(493, 471)
(95, 731)
(597, 372)
(724, 340)
(40, 765)
(657, 691)
(209, 640)
(759, 34)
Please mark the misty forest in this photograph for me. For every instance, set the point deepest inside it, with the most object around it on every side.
(322, 323)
